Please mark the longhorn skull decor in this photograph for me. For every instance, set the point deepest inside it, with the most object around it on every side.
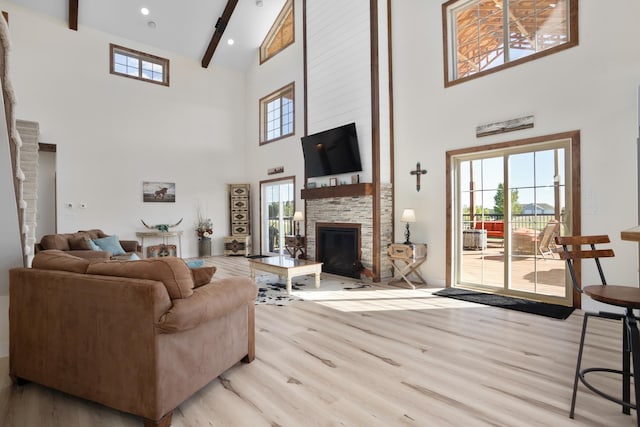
(162, 227)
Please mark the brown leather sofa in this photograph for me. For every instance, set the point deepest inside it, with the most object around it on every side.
(137, 336)
(77, 244)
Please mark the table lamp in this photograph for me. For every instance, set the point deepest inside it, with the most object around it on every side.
(297, 217)
(408, 215)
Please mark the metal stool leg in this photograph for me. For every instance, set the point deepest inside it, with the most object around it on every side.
(635, 350)
(626, 365)
(575, 379)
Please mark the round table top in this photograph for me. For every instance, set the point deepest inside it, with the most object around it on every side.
(623, 296)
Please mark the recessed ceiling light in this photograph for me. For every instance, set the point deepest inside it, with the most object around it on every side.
(230, 42)
(151, 24)
(144, 11)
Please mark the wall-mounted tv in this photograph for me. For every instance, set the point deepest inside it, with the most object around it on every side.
(332, 151)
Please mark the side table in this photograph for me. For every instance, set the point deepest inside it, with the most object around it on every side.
(294, 244)
(237, 245)
(164, 235)
(405, 259)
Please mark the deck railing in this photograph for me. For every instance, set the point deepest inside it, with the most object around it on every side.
(288, 228)
(532, 222)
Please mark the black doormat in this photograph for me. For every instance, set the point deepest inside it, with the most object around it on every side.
(542, 308)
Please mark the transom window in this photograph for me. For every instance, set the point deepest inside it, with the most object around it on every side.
(139, 65)
(280, 35)
(483, 36)
(277, 114)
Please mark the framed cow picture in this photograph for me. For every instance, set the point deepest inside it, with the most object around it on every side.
(163, 192)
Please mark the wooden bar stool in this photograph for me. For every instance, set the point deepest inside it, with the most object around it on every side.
(627, 297)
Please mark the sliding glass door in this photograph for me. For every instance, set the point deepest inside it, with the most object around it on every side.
(509, 203)
(277, 210)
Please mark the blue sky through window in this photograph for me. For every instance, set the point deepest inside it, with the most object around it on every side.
(531, 173)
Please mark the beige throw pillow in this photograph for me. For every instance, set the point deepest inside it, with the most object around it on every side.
(171, 271)
(58, 260)
(80, 243)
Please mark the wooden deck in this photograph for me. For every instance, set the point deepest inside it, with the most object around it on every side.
(529, 273)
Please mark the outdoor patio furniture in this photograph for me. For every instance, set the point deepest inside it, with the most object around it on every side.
(523, 241)
(495, 229)
(547, 244)
(474, 239)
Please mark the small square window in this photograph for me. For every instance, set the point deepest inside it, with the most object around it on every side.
(277, 115)
(139, 65)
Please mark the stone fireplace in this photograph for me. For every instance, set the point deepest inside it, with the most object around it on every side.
(344, 206)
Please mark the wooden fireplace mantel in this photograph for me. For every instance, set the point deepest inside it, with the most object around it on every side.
(347, 190)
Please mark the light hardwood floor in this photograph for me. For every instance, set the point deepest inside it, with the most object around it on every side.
(382, 356)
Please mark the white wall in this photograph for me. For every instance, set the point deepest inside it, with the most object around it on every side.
(46, 204)
(261, 80)
(339, 72)
(113, 133)
(591, 88)
(383, 85)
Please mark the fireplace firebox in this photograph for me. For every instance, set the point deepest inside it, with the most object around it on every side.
(338, 248)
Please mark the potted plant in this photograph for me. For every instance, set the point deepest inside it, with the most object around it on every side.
(204, 230)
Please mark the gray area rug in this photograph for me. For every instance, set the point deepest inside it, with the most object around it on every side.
(518, 304)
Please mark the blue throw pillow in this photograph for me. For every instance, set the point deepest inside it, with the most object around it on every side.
(111, 244)
(93, 245)
(196, 263)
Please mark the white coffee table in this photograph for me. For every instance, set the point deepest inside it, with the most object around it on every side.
(286, 267)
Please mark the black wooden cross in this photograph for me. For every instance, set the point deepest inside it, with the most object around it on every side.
(417, 173)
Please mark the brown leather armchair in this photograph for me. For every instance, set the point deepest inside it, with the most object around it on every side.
(137, 336)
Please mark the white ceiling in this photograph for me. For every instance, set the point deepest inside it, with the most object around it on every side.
(182, 26)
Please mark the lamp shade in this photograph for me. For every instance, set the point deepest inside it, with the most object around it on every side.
(298, 216)
(408, 215)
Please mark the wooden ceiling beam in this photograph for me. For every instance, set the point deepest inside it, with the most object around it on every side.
(217, 33)
(73, 15)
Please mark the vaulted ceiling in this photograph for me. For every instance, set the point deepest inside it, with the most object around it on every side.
(186, 27)
(534, 25)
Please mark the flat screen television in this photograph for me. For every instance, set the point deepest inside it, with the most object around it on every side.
(332, 151)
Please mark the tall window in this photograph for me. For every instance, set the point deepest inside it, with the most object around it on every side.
(483, 36)
(277, 114)
(139, 65)
(280, 35)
